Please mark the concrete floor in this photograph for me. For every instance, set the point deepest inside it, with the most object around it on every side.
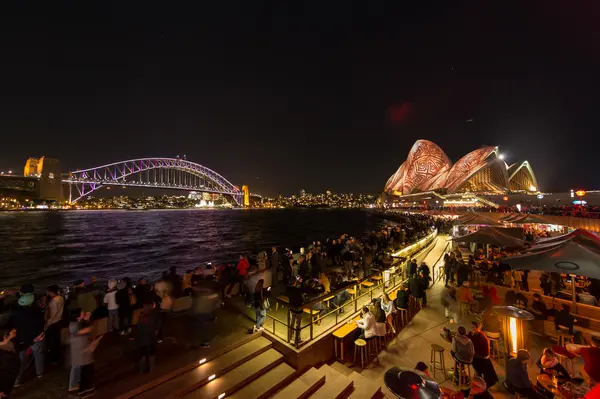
(413, 343)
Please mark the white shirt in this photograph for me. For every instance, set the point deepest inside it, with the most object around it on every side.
(109, 299)
(367, 323)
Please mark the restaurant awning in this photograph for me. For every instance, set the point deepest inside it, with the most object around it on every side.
(492, 236)
(473, 218)
(579, 255)
(528, 219)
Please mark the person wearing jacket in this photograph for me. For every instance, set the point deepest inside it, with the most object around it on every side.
(462, 350)
(367, 324)
(53, 318)
(260, 308)
(296, 295)
(125, 310)
(242, 272)
(402, 297)
(113, 307)
(28, 320)
(481, 361)
(147, 336)
(462, 346)
(517, 377)
(10, 365)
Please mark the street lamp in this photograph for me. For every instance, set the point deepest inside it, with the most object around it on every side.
(540, 196)
(580, 194)
(513, 329)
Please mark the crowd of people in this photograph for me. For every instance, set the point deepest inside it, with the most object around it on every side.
(32, 333)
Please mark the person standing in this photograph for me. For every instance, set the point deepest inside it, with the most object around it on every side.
(241, 274)
(275, 259)
(296, 296)
(481, 361)
(113, 307)
(10, 364)
(53, 325)
(82, 356)
(147, 336)
(260, 308)
(28, 320)
(122, 297)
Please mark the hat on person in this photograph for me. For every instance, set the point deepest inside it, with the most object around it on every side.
(26, 299)
(122, 284)
(27, 288)
(522, 354)
(112, 284)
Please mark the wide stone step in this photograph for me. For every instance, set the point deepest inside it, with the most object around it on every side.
(363, 387)
(195, 378)
(266, 384)
(337, 386)
(234, 379)
(303, 386)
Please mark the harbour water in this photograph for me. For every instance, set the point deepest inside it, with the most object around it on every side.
(60, 247)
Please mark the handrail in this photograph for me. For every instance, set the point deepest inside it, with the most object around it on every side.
(437, 261)
(320, 298)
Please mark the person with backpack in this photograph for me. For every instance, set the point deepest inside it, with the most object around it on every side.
(147, 336)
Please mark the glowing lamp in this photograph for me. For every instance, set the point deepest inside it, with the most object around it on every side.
(514, 329)
(580, 193)
(505, 198)
(501, 156)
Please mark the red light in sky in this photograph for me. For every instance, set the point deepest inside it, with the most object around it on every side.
(399, 114)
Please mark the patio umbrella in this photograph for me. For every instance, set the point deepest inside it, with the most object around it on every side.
(509, 217)
(492, 236)
(472, 218)
(411, 384)
(579, 255)
(529, 219)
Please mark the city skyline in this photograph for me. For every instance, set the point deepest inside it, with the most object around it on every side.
(320, 97)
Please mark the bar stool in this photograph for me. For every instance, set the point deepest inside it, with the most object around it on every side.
(435, 363)
(403, 317)
(564, 336)
(360, 345)
(464, 371)
(372, 343)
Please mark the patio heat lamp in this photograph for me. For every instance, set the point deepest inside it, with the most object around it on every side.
(514, 331)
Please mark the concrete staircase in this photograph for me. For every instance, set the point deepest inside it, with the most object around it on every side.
(330, 382)
(253, 369)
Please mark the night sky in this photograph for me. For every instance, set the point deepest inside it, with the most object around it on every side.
(315, 95)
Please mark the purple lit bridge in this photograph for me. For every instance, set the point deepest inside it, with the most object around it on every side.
(167, 173)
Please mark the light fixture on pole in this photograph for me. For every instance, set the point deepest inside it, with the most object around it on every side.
(514, 330)
(540, 196)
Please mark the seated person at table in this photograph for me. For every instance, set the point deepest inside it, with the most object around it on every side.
(564, 318)
(538, 307)
(586, 298)
(517, 378)
(515, 297)
(464, 294)
(402, 297)
(550, 363)
(366, 324)
(489, 291)
(462, 346)
(324, 281)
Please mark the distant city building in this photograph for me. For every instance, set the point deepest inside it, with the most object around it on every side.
(41, 180)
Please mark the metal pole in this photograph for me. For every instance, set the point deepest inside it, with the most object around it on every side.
(574, 293)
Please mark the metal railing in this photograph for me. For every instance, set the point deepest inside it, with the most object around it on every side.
(392, 281)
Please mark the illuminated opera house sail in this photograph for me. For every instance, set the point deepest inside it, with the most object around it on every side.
(427, 168)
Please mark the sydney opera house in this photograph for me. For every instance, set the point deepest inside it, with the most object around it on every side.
(481, 172)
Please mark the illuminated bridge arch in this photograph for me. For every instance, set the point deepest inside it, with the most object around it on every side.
(170, 173)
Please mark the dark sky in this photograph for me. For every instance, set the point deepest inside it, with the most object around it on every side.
(316, 95)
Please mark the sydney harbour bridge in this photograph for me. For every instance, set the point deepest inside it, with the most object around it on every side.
(163, 173)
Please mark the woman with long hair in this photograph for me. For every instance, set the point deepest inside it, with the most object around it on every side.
(387, 305)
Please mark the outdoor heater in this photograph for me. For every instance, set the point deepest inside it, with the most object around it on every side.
(513, 329)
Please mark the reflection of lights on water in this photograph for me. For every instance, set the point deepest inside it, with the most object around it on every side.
(513, 334)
